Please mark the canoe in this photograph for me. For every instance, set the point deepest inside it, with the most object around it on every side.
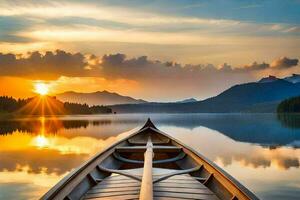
(148, 164)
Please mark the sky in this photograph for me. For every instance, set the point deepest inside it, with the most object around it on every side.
(162, 50)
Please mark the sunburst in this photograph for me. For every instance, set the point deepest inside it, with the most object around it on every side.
(41, 88)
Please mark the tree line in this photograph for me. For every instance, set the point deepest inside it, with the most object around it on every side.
(291, 105)
(47, 105)
(77, 108)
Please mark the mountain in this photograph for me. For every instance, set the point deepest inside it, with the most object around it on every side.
(268, 79)
(261, 96)
(295, 78)
(47, 105)
(97, 98)
(186, 100)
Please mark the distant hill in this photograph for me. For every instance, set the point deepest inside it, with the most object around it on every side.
(97, 98)
(42, 106)
(291, 105)
(187, 100)
(295, 78)
(46, 105)
(268, 79)
(261, 96)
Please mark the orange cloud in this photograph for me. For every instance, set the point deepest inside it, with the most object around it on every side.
(131, 76)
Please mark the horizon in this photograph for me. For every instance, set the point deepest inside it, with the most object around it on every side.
(189, 49)
(50, 94)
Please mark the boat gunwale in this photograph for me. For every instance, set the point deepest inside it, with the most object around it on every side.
(67, 179)
(222, 172)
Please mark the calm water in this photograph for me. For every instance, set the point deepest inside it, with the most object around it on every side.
(261, 151)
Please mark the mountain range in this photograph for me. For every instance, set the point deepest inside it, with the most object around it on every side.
(261, 96)
(97, 98)
(104, 98)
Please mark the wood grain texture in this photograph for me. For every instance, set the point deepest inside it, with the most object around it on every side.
(119, 187)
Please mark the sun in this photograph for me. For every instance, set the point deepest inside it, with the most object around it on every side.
(41, 88)
(41, 141)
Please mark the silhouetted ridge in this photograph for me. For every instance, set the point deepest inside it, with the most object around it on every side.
(291, 105)
(97, 98)
(46, 105)
(248, 97)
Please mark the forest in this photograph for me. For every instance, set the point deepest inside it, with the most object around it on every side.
(47, 105)
(291, 105)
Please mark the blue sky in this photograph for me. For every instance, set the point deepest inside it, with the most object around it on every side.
(185, 23)
(197, 32)
(268, 11)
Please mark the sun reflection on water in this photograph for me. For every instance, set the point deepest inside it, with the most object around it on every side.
(44, 151)
(41, 141)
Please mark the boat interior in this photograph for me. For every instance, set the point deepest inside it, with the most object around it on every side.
(149, 164)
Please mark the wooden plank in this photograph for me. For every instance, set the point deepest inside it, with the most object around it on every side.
(180, 156)
(98, 190)
(155, 140)
(111, 194)
(186, 179)
(185, 195)
(166, 198)
(157, 189)
(179, 185)
(184, 171)
(118, 177)
(118, 185)
(181, 182)
(141, 149)
(121, 172)
(118, 181)
(122, 197)
(183, 190)
(181, 176)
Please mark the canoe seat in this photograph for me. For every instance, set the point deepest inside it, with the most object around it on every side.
(120, 172)
(175, 173)
(142, 149)
(119, 187)
(180, 156)
(138, 140)
(156, 178)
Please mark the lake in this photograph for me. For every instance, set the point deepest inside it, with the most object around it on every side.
(259, 150)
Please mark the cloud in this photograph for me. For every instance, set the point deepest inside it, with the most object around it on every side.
(67, 21)
(46, 66)
(125, 14)
(38, 162)
(117, 65)
(278, 64)
(225, 67)
(54, 64)
(137, 74)
(284, 62)
(294, 29)
(256, 66)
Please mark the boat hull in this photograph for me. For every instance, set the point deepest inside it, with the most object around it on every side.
(172, 163)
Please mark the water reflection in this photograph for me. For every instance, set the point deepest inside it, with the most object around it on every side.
(36, 125)
(264, 129)
(40, 151)
(289, 120)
